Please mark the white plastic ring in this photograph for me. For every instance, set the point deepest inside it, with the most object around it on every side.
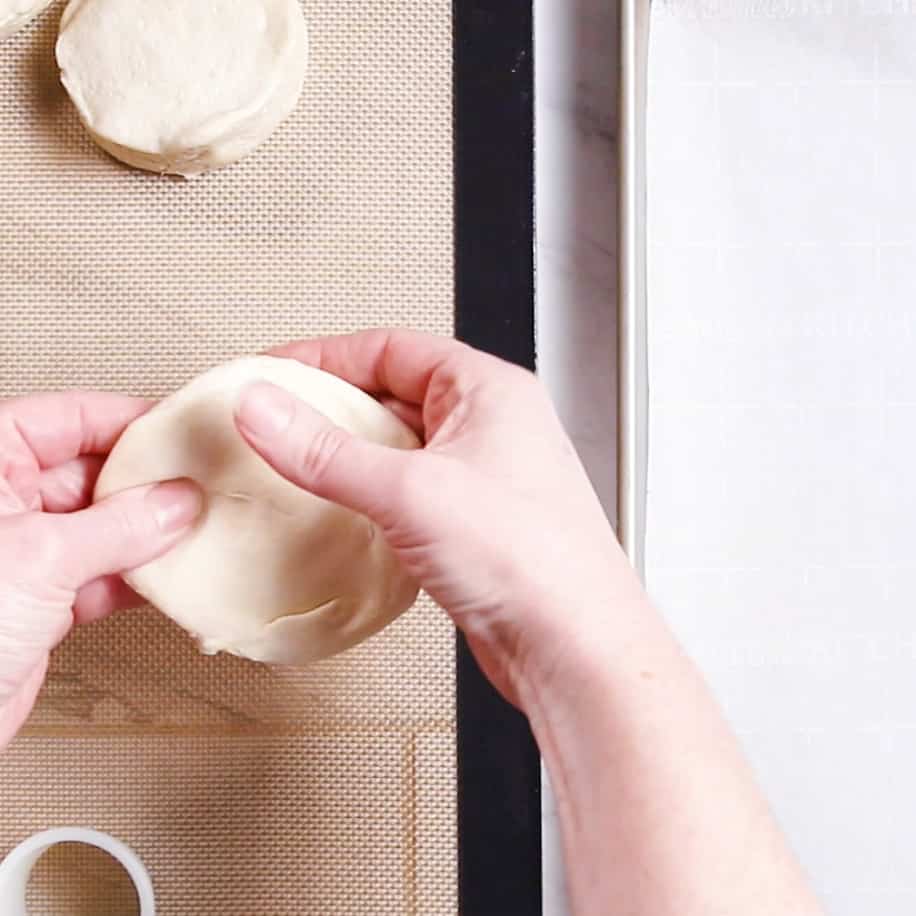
(17, 866)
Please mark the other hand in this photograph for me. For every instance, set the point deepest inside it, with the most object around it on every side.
(59, 556)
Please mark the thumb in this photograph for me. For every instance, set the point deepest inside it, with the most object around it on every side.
(122, 532)
(310, 451)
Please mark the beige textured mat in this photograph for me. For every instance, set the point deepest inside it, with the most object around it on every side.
(246, 790)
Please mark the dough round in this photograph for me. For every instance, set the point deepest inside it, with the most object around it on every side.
(270, 572)
(14, 14)
(182, 86)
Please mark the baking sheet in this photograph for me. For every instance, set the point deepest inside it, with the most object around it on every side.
(782, 406)
(632, 381)
(246, 790)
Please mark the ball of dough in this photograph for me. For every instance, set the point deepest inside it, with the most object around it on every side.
(14, 14)
(182, 86)
(269, 572)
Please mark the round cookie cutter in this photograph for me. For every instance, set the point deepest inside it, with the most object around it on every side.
(16, 868)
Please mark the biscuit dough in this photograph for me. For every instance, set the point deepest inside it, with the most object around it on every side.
(182, 86)
(269, 572)
(14, 14)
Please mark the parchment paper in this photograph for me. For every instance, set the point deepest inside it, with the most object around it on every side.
(782, 301)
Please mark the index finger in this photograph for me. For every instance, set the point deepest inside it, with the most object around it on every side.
(52, 429)
(381, 362)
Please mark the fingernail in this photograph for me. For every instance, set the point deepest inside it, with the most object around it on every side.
(175, 504)
(265, 410)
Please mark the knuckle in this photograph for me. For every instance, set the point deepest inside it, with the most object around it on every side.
(127, 526)
(39, 546)
(491, 373)
(524, 379)
(406, 482)
(317, 456)
(528, 391)
(120, 520)
(407, 488)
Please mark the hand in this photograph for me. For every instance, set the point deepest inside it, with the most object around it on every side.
(58, 557)
(495, 517)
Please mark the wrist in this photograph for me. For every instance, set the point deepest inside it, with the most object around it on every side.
(582, 641)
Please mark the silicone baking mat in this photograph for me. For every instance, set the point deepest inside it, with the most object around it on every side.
(245, 789)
